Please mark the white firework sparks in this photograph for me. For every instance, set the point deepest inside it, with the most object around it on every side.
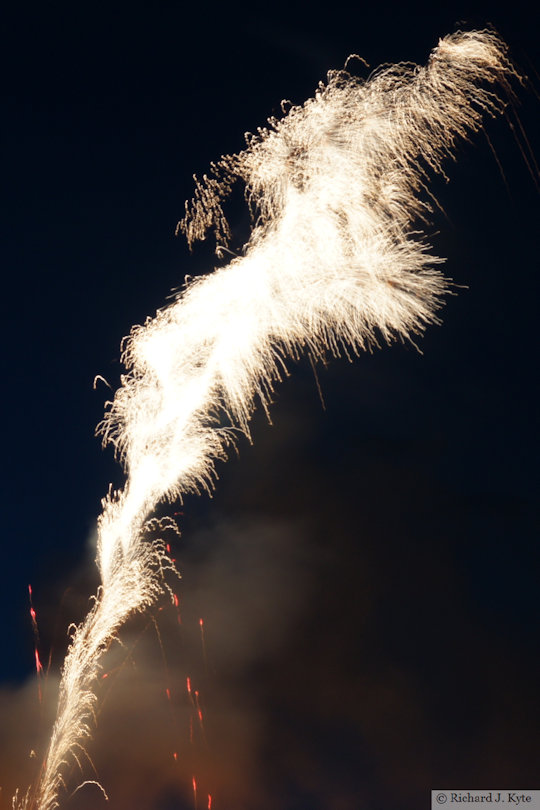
(335, 188)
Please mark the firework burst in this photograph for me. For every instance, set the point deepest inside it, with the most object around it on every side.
(333, 264)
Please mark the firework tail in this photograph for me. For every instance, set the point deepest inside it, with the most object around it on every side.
(332, 265)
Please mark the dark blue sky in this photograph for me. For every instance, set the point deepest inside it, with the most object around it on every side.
(368, 573)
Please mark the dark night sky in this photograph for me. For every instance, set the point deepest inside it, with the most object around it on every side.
(368, 574)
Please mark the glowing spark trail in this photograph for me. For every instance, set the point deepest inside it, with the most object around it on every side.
(332, 264)
(39, 665)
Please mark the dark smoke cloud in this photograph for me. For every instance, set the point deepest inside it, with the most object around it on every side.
(349, 663)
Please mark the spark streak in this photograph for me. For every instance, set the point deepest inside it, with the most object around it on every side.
(39, 665)
(203, 644)
(332, 264)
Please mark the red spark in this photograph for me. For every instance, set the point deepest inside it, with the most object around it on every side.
(188, 684)
(175, 756)
(194, 783)
(203, 644)
(209, 802)
(39, 670)
(39, 667)
(177, 606)
(199, 710)
(33, 613)
(168, 548)
(168, 693)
